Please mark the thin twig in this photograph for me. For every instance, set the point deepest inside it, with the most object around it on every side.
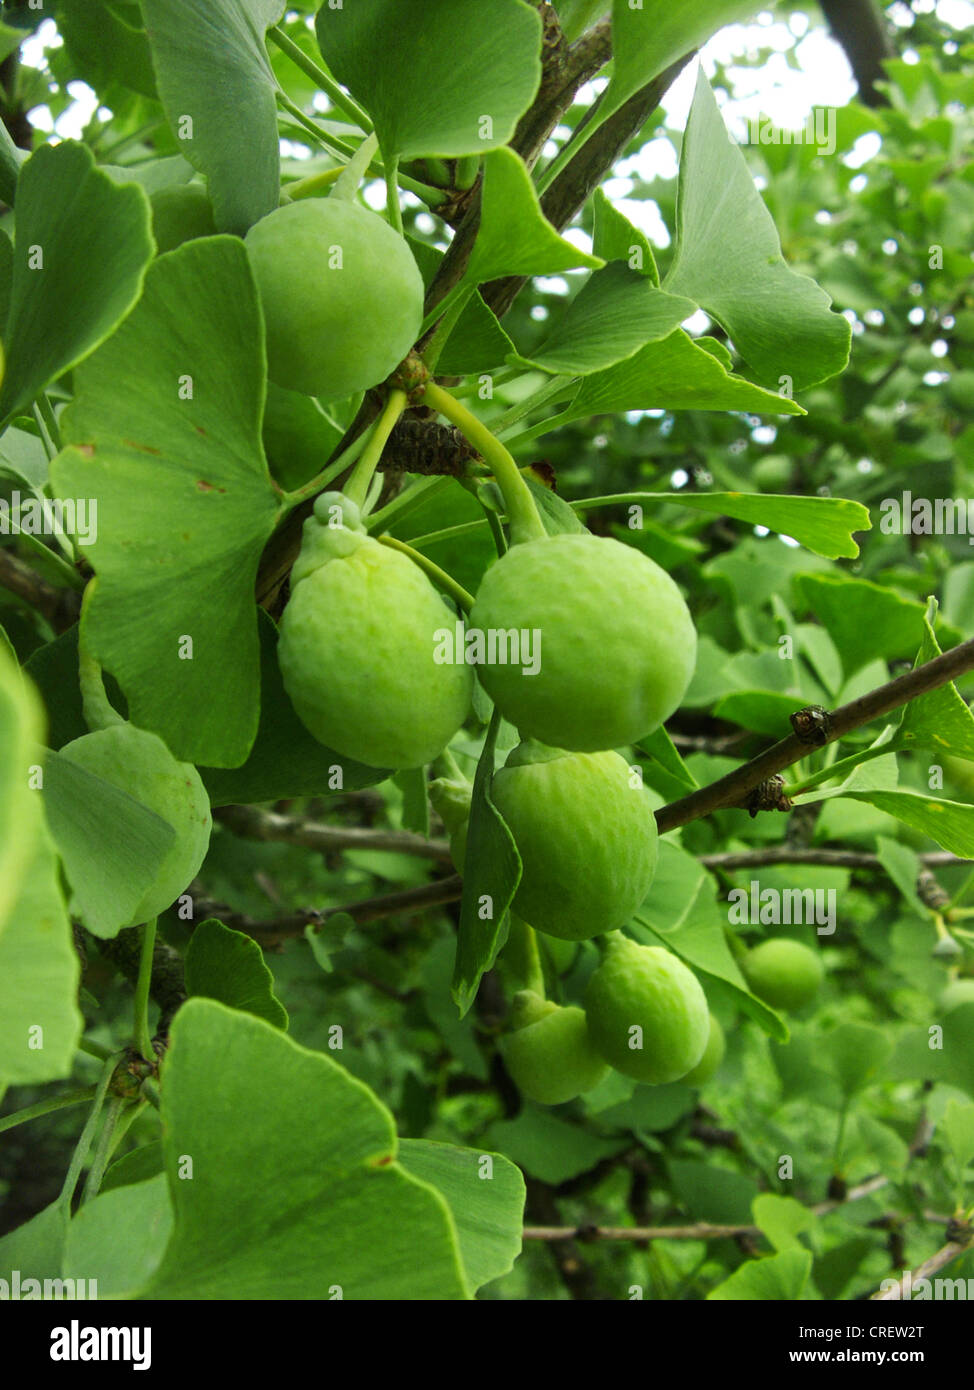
(731, 790)
(280, 929)
(254, 824)
(903, 1286)
(60, 607)
(700, 1230)
(831, 858)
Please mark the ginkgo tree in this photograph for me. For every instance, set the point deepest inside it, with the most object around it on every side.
(416, 850)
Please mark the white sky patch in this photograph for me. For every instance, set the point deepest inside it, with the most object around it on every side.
(863, 150)
(697, 323)
(579, 239)
(644, 213)
(551, 284)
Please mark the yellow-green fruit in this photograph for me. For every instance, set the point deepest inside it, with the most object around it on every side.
(138, 762)
(180, 213)
(617, 643)
(784, 973)
(647, 1013)
(341, 294)
(713, 1055)
(357, 646)
(587, 838)
(773, 473)
(549, 1056)
(956, 993)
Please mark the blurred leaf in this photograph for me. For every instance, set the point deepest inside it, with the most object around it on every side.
(782, 1219)
(777, 1278)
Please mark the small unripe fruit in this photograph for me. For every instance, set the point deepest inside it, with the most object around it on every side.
(549, 1056)
(341, 294)
(618, 645)
(956, 993)
(713, 1055)
(772, 473)
(784, 973)
(138, 762)
(647, 1013)
(587, 839)
(357, 646)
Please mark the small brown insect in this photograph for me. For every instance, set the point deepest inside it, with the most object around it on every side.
(813, 725)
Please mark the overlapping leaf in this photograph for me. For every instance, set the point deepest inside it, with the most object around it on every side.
(218, 89)
(453, 78)
(82, 246)
(728, 260)
(165, 435)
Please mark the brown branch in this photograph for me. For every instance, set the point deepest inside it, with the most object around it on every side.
(943, 1257)
(582, 174)
(60, 607)
(700, 1230)
(285, 928)
(860, 29)
(732, 790)
(251, 823)
(830, 858)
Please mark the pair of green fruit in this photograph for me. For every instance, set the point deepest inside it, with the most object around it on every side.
(645, 1015)
(358, 642)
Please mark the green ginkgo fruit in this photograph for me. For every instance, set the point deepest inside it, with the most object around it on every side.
(617, 643)
(138, 762)
(341, 294)
(647, 1013)
(713, 1055)
(586, 833)
(549, 1055)
(956, 993)
(782, 972)
(358, 642)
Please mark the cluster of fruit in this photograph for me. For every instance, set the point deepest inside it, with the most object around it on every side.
(617, 651)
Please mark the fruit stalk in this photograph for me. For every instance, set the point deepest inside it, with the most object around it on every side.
(440, 578)
(525, 523)
(358, 484)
